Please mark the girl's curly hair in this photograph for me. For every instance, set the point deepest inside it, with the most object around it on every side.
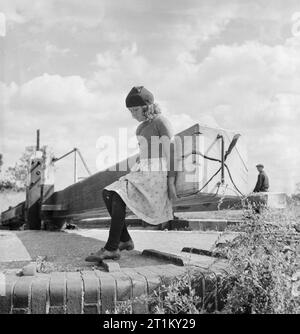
(151, 111)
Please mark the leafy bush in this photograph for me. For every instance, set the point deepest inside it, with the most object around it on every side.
(15, 177)
(179, 297)
(183, 295)
(263, 260)
(8, 184)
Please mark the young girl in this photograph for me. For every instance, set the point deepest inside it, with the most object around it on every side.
(148, 190)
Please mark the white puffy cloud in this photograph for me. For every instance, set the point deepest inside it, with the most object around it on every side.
(53, 12)
(55, 93)
(65, 110)
(52, 50)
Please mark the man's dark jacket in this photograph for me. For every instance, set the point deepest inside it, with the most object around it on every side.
(262, 183)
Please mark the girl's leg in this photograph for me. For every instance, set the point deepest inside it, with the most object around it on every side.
(107, 197)
(125, 236)
(118, 212)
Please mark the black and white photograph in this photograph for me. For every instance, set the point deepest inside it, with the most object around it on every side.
(149, 159)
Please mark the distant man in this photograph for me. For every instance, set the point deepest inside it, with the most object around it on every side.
(262, 184)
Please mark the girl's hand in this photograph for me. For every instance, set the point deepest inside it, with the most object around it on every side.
(172, 191)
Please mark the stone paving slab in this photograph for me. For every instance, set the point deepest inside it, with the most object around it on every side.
(65, 252)
(11, 248)
(165, 241)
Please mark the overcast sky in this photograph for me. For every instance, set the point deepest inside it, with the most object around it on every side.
(66, 67)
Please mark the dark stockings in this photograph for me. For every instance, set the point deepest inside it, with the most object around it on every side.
(117, 210)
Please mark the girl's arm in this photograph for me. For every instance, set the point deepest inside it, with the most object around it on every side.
(168, 145)
(169, 151)
(172, 188)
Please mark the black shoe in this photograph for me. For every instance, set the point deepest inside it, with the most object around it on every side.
(127, 245)
(103, 254)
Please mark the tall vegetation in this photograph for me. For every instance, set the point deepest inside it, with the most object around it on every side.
(15, 177)
(263, 272)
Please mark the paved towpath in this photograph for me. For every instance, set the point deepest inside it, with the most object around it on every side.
(65, 251)
(12, 248)
(165, 241)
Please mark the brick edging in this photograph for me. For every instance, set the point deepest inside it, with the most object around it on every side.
(86, 292)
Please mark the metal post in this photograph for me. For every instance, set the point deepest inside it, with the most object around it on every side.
(75, 165)
(222, 158)
(38, 140)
